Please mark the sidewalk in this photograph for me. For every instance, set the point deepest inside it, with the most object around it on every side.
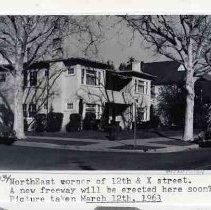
(152, 145)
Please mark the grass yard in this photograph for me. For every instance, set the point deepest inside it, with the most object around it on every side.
(101, 135)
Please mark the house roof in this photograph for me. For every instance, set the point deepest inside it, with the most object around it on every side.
(72, 61)
(166, 72)
(68, 61)
(86, 62)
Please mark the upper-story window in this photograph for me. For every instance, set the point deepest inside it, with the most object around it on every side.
(70, 71)
(46, 72)
(141, 86)
(82, 76)
(2, 77)
(91, 77)
(33, 78)
(99, 78)
(57, 42)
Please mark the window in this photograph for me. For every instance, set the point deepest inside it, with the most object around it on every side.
(33, 78)
(140, 114)
(32, 110)
(45, 106)
(2, 77)
(82, 76)
(57, 42)
(24, 110)
(46, 72)
(99, 78)
(98, 113)
(90, 77)
(140, 86)
(25, 78)
(91, 108)
(69, 105)
(146, 87)
(71, 71)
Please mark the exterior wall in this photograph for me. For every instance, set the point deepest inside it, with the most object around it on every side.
(7, 91)
(127, 96)
(66, 90)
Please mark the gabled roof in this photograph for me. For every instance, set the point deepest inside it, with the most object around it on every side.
(166, 72)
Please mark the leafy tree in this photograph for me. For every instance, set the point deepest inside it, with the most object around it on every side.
(171, 105)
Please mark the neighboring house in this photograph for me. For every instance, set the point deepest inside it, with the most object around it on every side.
(173, 73)
(78, 85)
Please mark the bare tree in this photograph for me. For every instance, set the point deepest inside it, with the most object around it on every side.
(185, 39)
(28, 39)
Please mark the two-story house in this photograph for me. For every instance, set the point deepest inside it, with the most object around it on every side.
(77, 85)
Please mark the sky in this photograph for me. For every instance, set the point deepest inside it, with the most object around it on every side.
(118, 46)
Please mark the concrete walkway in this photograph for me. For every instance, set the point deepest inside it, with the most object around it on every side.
(151, 145)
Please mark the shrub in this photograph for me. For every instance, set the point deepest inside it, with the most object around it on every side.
(154, 118)
(89, 122)
(40, 122)
(54, 122)
(74, 123)
(144, 125)
(25, 123)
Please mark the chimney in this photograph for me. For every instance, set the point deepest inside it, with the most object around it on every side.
(136, 66)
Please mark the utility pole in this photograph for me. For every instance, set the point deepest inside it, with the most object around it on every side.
(135, 127)
(47, 94)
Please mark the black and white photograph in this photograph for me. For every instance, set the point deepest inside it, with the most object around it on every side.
(105, 92)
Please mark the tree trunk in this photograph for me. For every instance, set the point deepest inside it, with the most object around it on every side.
(18, 94)
(188, 130)
(18, 109)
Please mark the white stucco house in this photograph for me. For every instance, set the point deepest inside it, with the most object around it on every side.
(77, 85)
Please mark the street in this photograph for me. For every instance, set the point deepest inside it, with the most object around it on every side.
(32, 158)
